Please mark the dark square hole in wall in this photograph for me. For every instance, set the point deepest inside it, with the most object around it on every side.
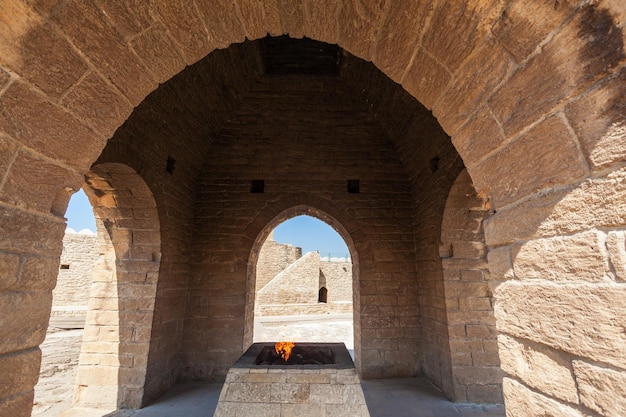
(434, 164)
(354, 186)
(65, 266)
(257, 186)
(171, 164)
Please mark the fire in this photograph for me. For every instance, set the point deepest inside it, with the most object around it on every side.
(284, 349)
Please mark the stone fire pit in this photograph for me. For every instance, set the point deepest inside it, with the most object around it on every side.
(255, 388)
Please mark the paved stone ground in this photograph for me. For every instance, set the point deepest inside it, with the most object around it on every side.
(60, 350)
(54, 391)
(410, 397)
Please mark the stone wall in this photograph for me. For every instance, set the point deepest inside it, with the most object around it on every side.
(296, 290)
(297, 284)
(71, 294)
(330, 140)
(274, 258)
(337, 277)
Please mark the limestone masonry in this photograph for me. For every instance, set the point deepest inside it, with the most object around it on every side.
(471, 154)
(288, 284)
(71, 294)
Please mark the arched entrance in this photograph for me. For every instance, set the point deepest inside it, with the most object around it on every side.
(535, 111)
(298, 288)
(118, 328)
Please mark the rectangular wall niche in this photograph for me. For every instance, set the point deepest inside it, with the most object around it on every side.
(257, 186)
(354, 186)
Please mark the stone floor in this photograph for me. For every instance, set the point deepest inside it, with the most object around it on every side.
(409, 397)
(385, 398)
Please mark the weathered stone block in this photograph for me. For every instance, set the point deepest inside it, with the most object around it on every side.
(97, 375)
(426, 79)
(522, 402)
(522, 26)
(538, 367)
(465, 29)
(8, 148)
(22, 38)
(558, 161)
(616, 246)
(500, 266)
(478, 137)
(568, 258)
(308, 410)
(600, 202)
(97, 103)
(39, 124)
(598, 120)
(567, 64)
(289, 393)
(129, 18)
(253, 19)
(25, 319)
(97, 396)
(19, 405)
(9, 270)
(490, 394)
(35, 273)
(602, 390)
(584, 319)
(248, 393)
(20, 372)
(398, 36)
(292, 18)
(44, 181)
(101, 43)
(470, 87)
(357, 32)
(221, 18)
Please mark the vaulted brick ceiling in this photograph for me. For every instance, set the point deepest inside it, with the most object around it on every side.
(195, 104)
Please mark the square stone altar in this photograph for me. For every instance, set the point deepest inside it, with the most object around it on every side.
(310, 390)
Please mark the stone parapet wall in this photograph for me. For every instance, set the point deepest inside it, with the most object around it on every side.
(299, 283)
(303, 309)
(338, 280)
(274, 258)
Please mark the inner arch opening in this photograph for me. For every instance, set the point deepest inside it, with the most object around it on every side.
(304, 289)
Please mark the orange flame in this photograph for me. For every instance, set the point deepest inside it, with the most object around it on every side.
(284, 349)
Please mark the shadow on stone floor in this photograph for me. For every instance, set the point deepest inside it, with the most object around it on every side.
(407, 397)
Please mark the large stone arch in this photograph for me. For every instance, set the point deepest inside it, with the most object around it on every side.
(118, 329)
(71, 73)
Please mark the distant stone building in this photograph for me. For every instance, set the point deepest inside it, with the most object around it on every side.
(289, 283)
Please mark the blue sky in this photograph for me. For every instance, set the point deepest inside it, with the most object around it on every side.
(79, 213)
(306, 232)
(311, 235)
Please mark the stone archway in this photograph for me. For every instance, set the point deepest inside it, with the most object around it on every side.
(475, 374)
(72, 72)
(322, 292)
(118, 329)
